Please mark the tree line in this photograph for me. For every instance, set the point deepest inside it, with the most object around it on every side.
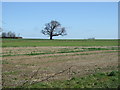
(8, 34)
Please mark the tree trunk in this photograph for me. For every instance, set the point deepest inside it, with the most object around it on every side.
(50, 37)
(51, 34)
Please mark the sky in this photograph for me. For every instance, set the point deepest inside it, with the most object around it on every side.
(82, 20)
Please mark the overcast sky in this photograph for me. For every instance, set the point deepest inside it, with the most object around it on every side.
(82, 19)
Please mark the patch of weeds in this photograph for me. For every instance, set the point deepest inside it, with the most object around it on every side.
(72, 51)
(114, 48)
(8, 55)
(76, 48)
(86, 53)
(63, 50)
(10, 72)
(93, 49)
(4, 62)
(83, 49)
(113, 73)
(38, 85)
(37, 53)
(28, 64)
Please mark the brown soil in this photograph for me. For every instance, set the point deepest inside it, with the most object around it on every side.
(17, 69)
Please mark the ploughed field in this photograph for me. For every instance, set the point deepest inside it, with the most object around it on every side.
(28, 64)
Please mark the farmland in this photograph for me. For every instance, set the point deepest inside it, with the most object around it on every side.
(40, 42)
(38, 63)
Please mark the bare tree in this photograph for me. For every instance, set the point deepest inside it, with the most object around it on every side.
(54, 29)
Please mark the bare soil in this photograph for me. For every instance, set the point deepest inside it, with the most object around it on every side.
(18, 69)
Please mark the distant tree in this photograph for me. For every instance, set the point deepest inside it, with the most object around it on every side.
(54, 29)
(8, 34)
(11, 34)
(4, 34)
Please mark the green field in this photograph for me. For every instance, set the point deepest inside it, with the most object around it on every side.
(57, 42)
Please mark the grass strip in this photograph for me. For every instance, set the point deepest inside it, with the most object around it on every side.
(30, 54)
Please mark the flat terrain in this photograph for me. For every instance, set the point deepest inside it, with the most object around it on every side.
(58, 42)
(24, 63)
